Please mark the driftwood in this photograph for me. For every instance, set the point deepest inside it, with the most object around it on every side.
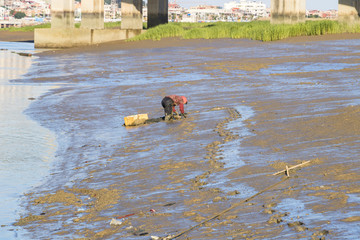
(289, 168)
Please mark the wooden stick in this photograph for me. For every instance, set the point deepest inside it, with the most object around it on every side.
(287, 169)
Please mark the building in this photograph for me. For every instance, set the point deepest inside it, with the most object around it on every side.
(249, 8)
(175, 12)
(202, 13)
(2, 13)
(112, 11)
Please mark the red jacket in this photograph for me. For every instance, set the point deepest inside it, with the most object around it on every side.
(178, 100)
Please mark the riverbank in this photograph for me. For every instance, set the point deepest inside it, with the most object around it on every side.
(162, 178)
(18, 36)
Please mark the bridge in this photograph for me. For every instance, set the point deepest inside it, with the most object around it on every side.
(64, 34)
(293, 11)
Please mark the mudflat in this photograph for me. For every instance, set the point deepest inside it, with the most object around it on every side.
(254, 109)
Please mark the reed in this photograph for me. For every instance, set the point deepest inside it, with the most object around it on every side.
(258, 30)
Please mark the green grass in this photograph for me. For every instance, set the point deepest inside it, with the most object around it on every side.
(26, 28)
(258, 30)
(48, 25)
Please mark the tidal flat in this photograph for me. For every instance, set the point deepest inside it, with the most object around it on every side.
(254, 108)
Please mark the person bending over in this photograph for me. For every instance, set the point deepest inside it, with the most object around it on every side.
(169, 103)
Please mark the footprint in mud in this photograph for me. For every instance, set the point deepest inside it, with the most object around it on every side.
(214, 148)
(320, 235)
(298, 226)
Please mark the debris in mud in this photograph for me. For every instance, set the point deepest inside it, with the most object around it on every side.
(217, 108)
(115, 222)
(127, 215)
(236, 192)
(277, 218)
(320, 234)
(24, 54)
(169, 204)
(269, 211)
(160, 238)
(293, 224)
(270, 205)
(133, 120)
(298, 226)
(31, 98)
(268, 208)
(139, 232)
(218, 199)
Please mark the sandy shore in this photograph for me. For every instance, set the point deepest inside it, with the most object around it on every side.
(254, 109)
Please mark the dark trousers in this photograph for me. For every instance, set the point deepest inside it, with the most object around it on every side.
(167, 103)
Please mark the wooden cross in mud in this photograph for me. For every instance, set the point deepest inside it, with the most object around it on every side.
(287, 169)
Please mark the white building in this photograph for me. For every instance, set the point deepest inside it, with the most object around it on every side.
(2, 13)
(254, 8)
(112, 11)
(202, 13)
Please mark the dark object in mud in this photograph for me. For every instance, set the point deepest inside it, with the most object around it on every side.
(25, 54)
(31, 98)
(139, 232)
(293, 224)
(169, 204)
(155, 120)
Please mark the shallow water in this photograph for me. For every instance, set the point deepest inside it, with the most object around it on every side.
(26, 148)
(155, 162)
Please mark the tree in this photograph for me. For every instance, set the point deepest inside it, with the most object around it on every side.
(19, 15)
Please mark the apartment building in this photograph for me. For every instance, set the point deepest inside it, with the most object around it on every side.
(2, 13)
(253, 8)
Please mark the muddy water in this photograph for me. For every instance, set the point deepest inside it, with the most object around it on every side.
(26, 148)
(253, 109)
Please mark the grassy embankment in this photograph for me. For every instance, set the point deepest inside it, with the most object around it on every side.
(258, 30)
(48, 25)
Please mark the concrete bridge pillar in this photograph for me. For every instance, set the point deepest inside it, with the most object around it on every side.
(131, 14)
(157, 12)
(349, 10)
(92, 14)
(62, 14)
(288, 11)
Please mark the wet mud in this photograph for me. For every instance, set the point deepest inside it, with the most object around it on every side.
(254, 108)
